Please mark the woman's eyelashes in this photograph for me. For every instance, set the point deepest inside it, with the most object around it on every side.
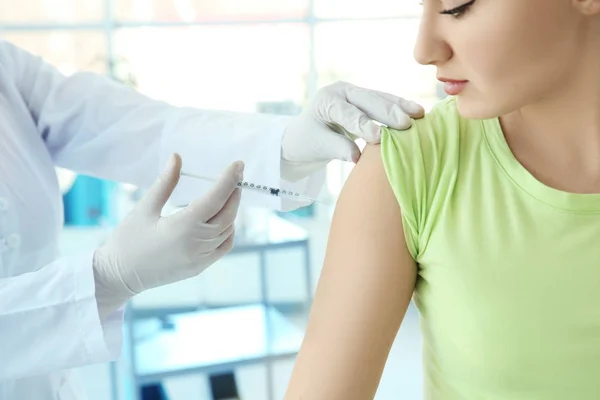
(460, 11)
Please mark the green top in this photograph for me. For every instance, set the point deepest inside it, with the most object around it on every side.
(508, 268)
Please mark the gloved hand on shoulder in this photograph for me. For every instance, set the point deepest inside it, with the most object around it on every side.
(339, 114)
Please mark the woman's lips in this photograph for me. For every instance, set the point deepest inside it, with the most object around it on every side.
(453, 87)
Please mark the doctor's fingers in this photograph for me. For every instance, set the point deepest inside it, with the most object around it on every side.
(226, 215)
(219, 252)
(413, 109)
(221, 221)
(384, 108)
(352, 120)
(217, 197)
(158, 194)
(201, 246)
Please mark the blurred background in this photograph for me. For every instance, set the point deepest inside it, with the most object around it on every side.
(233, 332)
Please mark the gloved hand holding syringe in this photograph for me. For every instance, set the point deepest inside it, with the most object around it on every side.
(266, 190)
(147, 250)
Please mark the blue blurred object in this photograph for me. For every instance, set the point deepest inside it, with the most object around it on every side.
(303, 212)
(90, 202)
(153, 391)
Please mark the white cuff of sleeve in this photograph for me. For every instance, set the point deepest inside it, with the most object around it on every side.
(102, 339)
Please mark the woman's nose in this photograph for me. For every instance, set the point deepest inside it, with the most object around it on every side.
(430, 48)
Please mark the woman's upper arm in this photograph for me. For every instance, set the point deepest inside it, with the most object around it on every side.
(364, 289)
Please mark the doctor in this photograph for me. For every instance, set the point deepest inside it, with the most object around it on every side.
(58, 313)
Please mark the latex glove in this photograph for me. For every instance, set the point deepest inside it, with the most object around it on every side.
(148, 250)
(339, 114)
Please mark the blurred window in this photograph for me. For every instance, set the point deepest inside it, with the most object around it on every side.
(241, 55)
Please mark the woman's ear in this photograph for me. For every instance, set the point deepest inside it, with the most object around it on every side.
(588, 7)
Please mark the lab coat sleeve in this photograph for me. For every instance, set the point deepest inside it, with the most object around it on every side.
(98, 127)
(49, 321)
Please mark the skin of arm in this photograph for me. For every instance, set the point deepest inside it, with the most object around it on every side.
(364, 290)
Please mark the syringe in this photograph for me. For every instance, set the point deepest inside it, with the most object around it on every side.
(263, 189)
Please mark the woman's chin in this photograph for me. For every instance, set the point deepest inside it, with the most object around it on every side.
(473, 107)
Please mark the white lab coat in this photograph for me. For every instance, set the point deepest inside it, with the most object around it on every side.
(48, 315)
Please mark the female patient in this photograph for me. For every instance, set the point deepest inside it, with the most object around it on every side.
(488, 211)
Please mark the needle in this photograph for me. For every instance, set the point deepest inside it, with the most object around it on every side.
(267, 190)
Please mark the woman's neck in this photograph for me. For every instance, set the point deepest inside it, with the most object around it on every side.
(557, 138)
